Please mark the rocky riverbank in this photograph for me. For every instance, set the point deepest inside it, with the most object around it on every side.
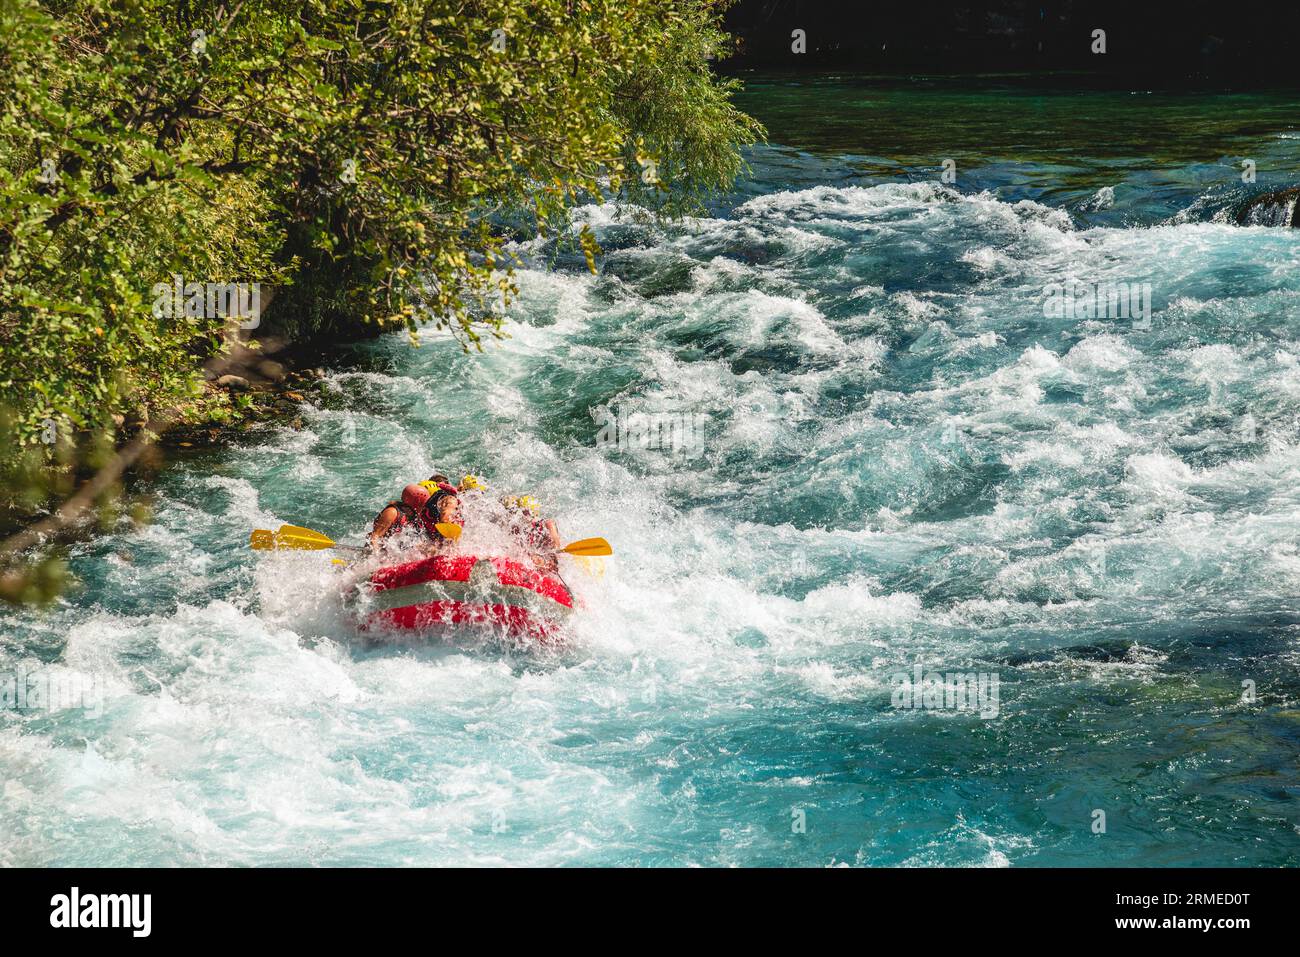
(253, 401)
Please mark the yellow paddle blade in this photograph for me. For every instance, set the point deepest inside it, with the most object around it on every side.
(295, 536)
(289, 536)
(589, 546)
(447, 530)
(595, 567)
(297, 532)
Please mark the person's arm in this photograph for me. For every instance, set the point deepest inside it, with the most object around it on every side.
(383, 522)
(547, 560)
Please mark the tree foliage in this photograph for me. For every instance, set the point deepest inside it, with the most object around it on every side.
(361, 157)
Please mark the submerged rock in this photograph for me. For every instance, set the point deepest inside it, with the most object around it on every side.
(1276, 208)
(1106, 651)
(235, 382)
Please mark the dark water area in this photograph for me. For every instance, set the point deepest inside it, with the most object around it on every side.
(1038, 138)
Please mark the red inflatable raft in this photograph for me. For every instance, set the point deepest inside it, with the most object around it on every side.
(431, 594)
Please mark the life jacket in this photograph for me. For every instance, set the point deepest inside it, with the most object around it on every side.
(424, 518)
(536, 535)
(530, 532)
(407, 517)
(537, 540)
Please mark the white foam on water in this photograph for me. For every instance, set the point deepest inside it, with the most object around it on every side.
(825, 536)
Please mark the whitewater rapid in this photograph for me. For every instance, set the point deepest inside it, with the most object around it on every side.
(903, 461)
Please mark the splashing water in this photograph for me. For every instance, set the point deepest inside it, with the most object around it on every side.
(903, 462)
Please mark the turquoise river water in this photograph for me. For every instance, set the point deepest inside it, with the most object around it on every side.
(902, 459)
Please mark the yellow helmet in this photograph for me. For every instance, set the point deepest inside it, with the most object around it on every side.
(522, 502)
(429, 485)
(472, 482)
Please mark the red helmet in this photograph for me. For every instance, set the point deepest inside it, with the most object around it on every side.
(416, 496)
